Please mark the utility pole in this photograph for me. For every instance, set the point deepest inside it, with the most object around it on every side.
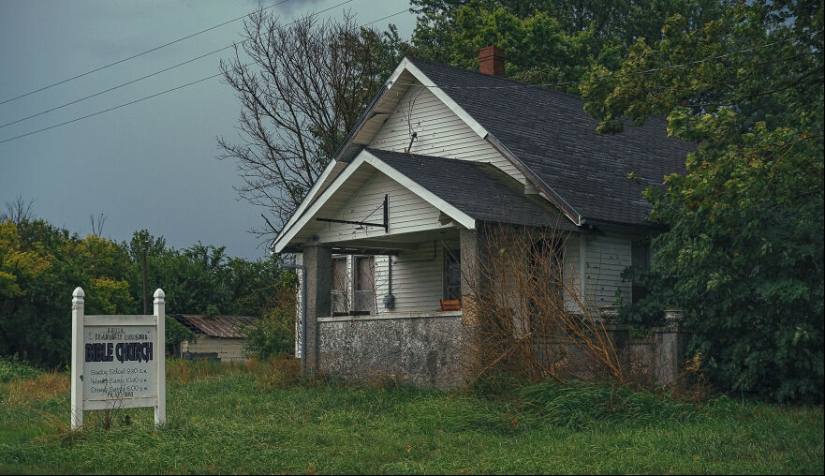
(145, 245)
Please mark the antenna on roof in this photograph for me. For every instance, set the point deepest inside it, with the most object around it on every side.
(412, 138)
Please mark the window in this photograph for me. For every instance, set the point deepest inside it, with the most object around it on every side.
(640, 265)
(452, 274)
(544, 294)
(339, 286)
(364, 289)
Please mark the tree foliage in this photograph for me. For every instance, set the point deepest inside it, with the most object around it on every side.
(553, 42)
(302, 87)
(40, 266)
(744, 250)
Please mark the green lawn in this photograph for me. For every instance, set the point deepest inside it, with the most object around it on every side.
(255, 419)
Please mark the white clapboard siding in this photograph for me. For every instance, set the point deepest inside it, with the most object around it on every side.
(572, 272)
(417, 278)
(440, 132)
(595, 265)
(607, 257)
(407, 212)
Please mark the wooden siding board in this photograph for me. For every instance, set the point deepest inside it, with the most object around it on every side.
(417, 279)
(440, 133)
(607, 258)
(407, 212)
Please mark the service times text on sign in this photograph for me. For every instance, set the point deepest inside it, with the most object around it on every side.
(119, 362)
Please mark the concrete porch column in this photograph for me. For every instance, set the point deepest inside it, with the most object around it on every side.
(473, 279)
(318, 264)
(669, 349)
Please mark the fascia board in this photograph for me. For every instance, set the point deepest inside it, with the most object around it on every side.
(367, 158)
(385, 90)
(307, 200)
(285, 238)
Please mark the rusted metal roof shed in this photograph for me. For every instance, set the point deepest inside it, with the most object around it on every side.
(216, 326)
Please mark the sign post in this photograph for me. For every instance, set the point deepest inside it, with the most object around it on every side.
(118, 361)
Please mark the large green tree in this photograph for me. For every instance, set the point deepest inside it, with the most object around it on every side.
(549, 41)
(40, 266)
(744, 249)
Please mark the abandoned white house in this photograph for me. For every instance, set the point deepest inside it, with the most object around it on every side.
(392, 225)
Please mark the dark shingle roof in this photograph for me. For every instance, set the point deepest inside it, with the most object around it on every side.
(479, 190)
(549, 132)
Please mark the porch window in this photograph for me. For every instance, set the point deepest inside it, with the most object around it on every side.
(364, 289)
(544, 294)
(452, 274)
(339, 286)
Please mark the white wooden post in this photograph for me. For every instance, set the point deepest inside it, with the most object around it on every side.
(160, 360)
(77, 359)
(99, 342)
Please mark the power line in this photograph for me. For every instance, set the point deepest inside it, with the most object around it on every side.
(146, 97)
(603, 78)
(111, 108)
(135, 56)
(112, 88)
(160, 71)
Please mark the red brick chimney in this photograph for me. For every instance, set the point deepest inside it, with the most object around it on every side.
(491, 60)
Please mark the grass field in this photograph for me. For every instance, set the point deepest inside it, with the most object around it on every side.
(258, 418)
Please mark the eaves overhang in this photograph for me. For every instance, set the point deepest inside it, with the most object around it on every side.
(284, 241)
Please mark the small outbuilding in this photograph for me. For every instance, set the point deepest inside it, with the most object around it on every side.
(217, 337)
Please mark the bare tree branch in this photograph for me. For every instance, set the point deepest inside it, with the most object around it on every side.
(303, 90)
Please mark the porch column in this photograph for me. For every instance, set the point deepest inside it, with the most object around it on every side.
(318, 264)
(670, 348)
(473, 267)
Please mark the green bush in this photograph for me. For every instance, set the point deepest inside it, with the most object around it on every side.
(12, 368)
(271, 336)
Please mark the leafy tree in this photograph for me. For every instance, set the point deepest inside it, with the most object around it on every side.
(303, 90)
(40, 266)
(547, 41)
(538, 50)
(143, 248)
(744, 250)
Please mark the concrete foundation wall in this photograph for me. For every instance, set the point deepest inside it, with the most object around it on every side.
(423, 351)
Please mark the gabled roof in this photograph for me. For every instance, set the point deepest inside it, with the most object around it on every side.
(556, 141)
(465, 192)
(546, 135)
(481, 191)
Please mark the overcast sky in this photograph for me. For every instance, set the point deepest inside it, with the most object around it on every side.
(152, 164)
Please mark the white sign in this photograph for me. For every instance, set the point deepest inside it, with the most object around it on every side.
(118, 361)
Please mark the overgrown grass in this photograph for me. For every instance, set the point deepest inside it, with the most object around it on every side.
(258, 417)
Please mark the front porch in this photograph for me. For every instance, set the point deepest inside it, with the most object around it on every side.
(398, 317)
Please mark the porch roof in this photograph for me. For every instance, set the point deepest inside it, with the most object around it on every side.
(479, 190)
(465, 192)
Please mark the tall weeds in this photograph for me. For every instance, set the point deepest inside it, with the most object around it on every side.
(528, 316)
